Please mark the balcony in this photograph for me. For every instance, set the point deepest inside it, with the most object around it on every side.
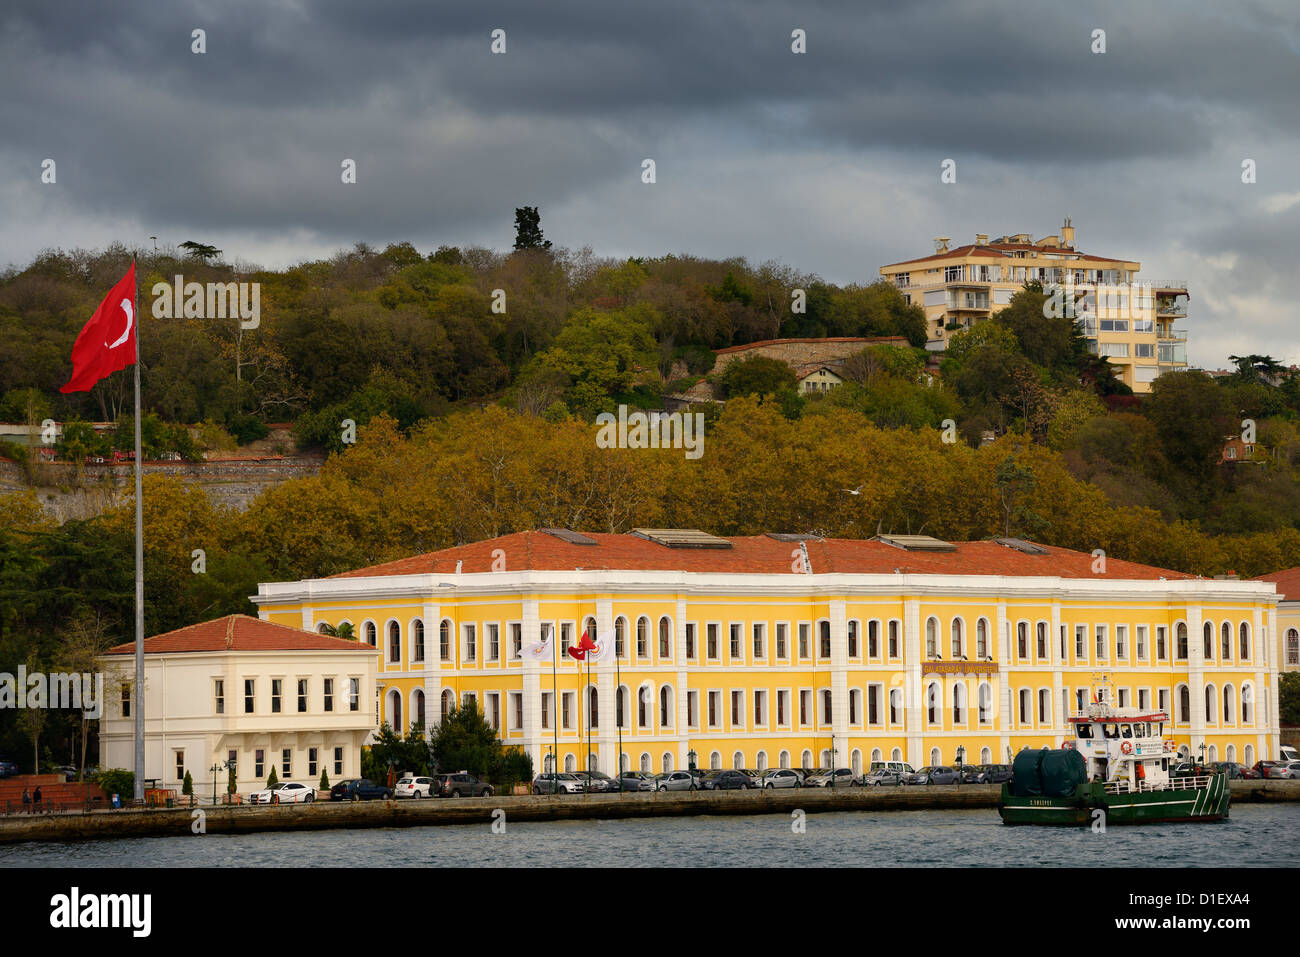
(1172, 335)
(1173, 285)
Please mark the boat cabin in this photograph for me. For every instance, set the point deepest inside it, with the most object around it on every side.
(1125, 747)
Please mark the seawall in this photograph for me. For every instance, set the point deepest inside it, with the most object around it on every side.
(223, 819)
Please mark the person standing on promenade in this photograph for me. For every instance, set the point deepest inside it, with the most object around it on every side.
(27, 801)
(36, 800)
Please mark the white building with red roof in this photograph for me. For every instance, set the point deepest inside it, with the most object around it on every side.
(242, 690)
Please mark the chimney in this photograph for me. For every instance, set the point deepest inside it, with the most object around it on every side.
(981, 239)
(1067, 234)
(941, 244)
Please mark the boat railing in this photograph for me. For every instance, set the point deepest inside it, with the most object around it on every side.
(1190, 782)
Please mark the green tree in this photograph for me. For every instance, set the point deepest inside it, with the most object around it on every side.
(465, 741)
(200, 251)
(324, 782)
(756, 375)
(528, 229)
(116, 781)
(1288, 698)
(187, 785)
(1192, 416)
(271, 779)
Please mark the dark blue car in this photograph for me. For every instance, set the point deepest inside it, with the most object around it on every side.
(359, 789)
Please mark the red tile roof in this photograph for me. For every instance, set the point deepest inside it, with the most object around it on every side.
(758, 554)
(1287, 582)
(239, 633)
(996, 251)
(866, 341)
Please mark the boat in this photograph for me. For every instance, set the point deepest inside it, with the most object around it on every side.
(1116, 768)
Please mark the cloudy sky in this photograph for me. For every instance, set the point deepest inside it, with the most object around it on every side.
(828, 160)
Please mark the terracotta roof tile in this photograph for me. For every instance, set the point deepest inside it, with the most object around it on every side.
(239, 633)
(758, 554)
(1287, 582)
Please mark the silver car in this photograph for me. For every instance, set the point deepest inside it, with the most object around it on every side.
(839, 778)
(675, 781)
(782, 778)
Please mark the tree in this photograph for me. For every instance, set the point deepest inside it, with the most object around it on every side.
(1192, 416)
(230, 780)
(271, 779)
(528, 229)
(465, 741)
(1288, 698)
(391, 750)
(200, 251)
(324, 782)
(116, 781)
(757, 375)
(187, 785)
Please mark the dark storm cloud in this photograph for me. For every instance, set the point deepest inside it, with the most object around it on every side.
(828, 160)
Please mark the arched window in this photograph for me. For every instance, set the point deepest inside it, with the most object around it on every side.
(417, 706)
(620, 637)
(982, 638)
(805, 759)
(1229, 706)
(589, 627)
(958, 703)
(873, 639)
(444, 639)
(931, 637)
(738, 760)
(642, 636)
(1244, 644)
(896, 754)
(620, 707)
(548, 764)
(417, 634)
(958, 649)
(1207, 634)
(645, 761)
(986, 756)
(1230, 753)
(1184, 704)
(394, 641)
(665, 707)
(1180, 643)
(826, 759)
(715, 761)
(1247, 703)
(895, 706)
(372, 634)
(395, 711)
(570, 763)
(876, 756)
(1292, 647)
(1210, 698)
(665, 637)
(783, 759)
(1248, 756)
(593, 762)
(666, 762)
(1022, 640)
(448, 703)
(855, 762)
(1213, 754)
(935, 757)
(1226, 632)
(1041, 632)
(323, 628)
(984, 694)
(643, 707)
(593, 707)
(932, 702)
(853, 638)
(760, 761)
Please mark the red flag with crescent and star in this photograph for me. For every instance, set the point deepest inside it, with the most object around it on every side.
(107, 342)
(585, 644)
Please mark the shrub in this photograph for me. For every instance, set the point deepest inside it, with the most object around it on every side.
(324, 781)
(117, 781)
(187, 786)
(272, 780)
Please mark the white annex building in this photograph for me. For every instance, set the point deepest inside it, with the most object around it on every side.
(243, 690)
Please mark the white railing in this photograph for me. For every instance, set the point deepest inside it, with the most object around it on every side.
(1198, 783)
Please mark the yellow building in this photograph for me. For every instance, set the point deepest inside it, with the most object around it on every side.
(779, 650)
(1128, 320)
(1287, 653)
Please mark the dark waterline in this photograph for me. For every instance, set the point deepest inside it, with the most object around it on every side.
(908, 838)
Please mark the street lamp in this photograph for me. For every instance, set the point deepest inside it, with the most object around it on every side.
(219, 766)
(690, 759)
(961, 758)
(1202, 755)
(832, 764)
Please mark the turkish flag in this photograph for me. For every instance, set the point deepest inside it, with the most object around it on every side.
(586, 644)
(578, 653)
(107, 343)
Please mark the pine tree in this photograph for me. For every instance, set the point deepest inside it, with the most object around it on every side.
(187, 786)
(528, 229)
(272, 780)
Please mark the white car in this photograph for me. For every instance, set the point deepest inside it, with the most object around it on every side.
(782, 778)
(413, 788)
(287, 793)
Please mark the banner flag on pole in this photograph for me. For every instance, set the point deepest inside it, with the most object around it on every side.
(107, 342)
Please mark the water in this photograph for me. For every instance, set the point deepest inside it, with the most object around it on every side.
(862, 838)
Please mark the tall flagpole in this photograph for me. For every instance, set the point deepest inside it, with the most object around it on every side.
(139, 568)
(555, 706)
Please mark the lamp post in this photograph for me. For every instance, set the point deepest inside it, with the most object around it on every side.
(217, 766)
(690, 759)
(832, 762)
(1202, 755)
(961, 758)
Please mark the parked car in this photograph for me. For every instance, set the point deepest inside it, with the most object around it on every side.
(463, 785)
(596, 782)
(755, 776)
(561, 783)
(729, 780)
(996, 773)
(1234, 770)
(974, 774)
(902, 767)
(1283, 772)
(410, 787)
(839, 778)
(675, 781)
(359, 789)
(289, 792)
(635, 781)
(8, 769)
(877, 777)
(782, 778)
(936, 774)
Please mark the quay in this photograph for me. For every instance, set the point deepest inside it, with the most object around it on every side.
(321, 815)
